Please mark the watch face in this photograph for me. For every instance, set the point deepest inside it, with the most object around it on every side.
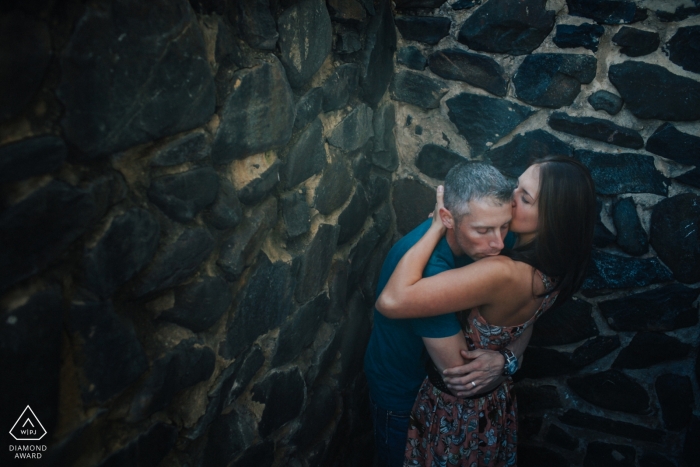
(511, 367)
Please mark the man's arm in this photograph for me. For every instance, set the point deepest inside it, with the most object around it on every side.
(485, 368)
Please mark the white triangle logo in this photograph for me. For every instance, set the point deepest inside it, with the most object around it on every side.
(28, 427)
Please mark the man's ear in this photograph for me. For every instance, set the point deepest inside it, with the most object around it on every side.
(446, 218)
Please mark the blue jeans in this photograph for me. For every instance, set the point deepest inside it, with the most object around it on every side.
(390, 434)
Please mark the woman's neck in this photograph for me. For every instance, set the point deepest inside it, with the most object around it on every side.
(524, 239)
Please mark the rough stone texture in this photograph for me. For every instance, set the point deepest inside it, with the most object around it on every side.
(413, 4)
(31, 157)
(623, 173)
(226, 211)
(679, 14)
(417, 89)
(426, 29)
(654, 459)
(183, 195)
(229, 435)
(283, 394)
(464, 4)
(334, 187)
(585, 35)
(507, 26)
(260, 455)
(242, 373)
(528, 427)
(267, 177)
(553, 80)
(340, 86)
(650, 348)
(540, 362)
(435, 161)
(607, 11)
(385, 154)
(580, 419)
(635, 42)
(412, 201)
(155, 81)
(675, 393)
(683, 48)
(631, 236)
(691, 177)
(691, 448)
(308, 107)
(377, 57)
(514, 157)
(347, 40)
(185, 365)
(189, 148)
(199, 305)
(533, 456)
(604, 454)
(36, 230)
(571, 323)
(594, 349)
(611, 389)
(295, 212)
(255, 24)
(478, 70)
(675, 235)
(176, 262)
(651, 91)
(609, 271)
(307, 156)
(149, 448)
(532, 399)
(672, 144)
(315, 264)
(354, 130)
(319, 412)
(352, 219)
(483, 120)
(411, 57)
(125, 249)
(299, 331)
(597, 129)
(604, 100)
(561, 438)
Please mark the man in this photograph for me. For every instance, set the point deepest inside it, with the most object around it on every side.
(476, 214)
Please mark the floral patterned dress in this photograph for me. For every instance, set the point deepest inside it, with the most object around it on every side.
(445, 430)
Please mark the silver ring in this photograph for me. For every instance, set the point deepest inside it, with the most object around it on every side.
(473, 384)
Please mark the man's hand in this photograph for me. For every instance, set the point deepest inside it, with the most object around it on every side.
(481, 374)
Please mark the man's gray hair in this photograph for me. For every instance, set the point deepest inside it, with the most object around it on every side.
(469, 181)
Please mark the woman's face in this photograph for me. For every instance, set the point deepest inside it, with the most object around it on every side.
(525, 197)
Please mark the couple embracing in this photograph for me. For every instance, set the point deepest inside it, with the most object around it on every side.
(458, 297)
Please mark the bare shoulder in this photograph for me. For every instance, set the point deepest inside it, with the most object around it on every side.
(500, 269)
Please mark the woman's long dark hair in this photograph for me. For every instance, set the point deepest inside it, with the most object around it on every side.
(567, 214)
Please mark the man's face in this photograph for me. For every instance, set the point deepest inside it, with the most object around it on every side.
(481, 232)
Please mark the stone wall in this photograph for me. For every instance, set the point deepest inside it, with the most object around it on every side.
(611, 378)
(195, 207)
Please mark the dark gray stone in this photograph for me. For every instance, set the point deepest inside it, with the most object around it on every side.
(198, 306)
(370, 275)
(540, 362)
(230, 434)
(107, 190)
(24, 64)
(338, 291)
(684, 48)
(319, 413)
(149, 448)
(600, 454)
(623, 173)
(411, 57)
(385, 154)
(561, 438)
(209, 6)
(127, 80)
(282, 392)
(584, 35)
(347, 11)
(255, 24)
(528, 427)
(650, 348)
(464, 4)
(377, 57)
(604, 100)
(613, 390)
(553, 80)
(579, 419)
(651, 91)
(258, 188)
(299, 331)
(305, 36)
(353, 217)
(295, 212)
(417, 89)
(691, 177)
(226, 212)
(631, 236)
(663, 309)
(435, 161)
(334, 187)
(679, 14)
(572, 322)
(176, 262)
(602, 237)
(347, 41)
(674, 234)
(378, 189)
(182, 196)
(426, 29)
(229, 50)
(30, 357)
(676, 398)
(654, 459)
(189, 148)
(533, 399)
(260, 455)
(672, 144)
(607, 11)
(478, 70)
(110, 354)
(609, 271)
(513, 158)
(635, 42)
(307, 156)
(257, 116)
(594, 349)
(413, 4)
(125, 249)
(30, 157)
(412, 201)
(597, 129)
(36, 230)
(354, 130)
(315, 264)
(691, 447)
(182, 367)
(308, 107)
(243, 370)
(355, 335)
(361, 168)
(512, 27)
(533, 456)
(482, 120)
(340, 86)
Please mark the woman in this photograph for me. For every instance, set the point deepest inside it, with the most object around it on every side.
(553, 215)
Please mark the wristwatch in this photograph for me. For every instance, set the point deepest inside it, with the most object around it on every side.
(511, 364)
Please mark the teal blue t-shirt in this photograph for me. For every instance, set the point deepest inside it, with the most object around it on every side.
(395, 357)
